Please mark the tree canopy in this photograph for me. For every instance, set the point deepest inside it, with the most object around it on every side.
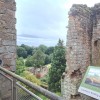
(39, 58)
(58, 65)
(21, 52)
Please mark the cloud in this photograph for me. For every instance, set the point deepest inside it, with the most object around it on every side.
(35, 41)
(44, 21)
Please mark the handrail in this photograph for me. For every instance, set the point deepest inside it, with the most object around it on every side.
(6, 77)
(32, 94)
(43, 91)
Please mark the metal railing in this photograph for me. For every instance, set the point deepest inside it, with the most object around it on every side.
(25, 94)
(19, 92)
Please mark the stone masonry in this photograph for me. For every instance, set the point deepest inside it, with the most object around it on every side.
(7, 44)
(83, 48)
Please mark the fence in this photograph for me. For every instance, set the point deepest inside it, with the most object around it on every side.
(11, 85)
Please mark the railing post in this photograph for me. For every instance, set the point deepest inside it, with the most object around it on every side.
(14, 89)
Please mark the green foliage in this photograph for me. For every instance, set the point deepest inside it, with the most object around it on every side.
(41, 96)
(20, 61)
(21, 52)
(57, 67)
(49, 50)
(35, 56)
(28, 49)
(29, 76)
(39, 58)
(32, 78)
(24, 51)
(43, 48)
(47, 59)
(20, 68)
(29, 61)
(34, 50)
(45, 78)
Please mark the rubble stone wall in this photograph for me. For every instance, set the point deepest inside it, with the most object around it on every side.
(7, 44)
(96, 36)
(83, 48)
(8, 33)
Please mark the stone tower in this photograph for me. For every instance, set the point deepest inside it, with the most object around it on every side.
(7, 44)
(83, 48)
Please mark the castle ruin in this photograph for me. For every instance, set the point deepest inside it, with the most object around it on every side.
(7, 45)
(83, 47)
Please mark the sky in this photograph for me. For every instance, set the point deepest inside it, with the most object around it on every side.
(44, 21)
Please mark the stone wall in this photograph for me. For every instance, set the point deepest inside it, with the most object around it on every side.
(83, 48)
(96, 36)
(8, 33)
(7, 43)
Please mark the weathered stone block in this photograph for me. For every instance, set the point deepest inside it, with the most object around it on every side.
(8, 43)
(11, 49)
(2, 50)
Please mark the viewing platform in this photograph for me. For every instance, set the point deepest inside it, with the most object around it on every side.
(17, 91)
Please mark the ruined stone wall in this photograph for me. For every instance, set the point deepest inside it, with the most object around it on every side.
(78, 39)
(96, 36)
(7, 33)
(7, 44)
(83, 48)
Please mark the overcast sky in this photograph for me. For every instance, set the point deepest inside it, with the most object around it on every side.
(44, 21)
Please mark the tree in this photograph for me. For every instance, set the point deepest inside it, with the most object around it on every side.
(58, 65)
(39, 58)
(49, 50)
(20, 61)
(34, 50)
(43, 48)
(47, 59)
(20, 68)
(29, 61)
(21, 52)
(28, 49)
